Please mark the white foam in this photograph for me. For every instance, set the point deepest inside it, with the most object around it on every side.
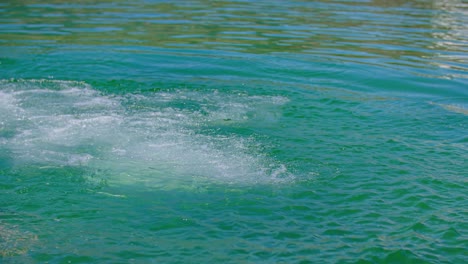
(136, 139)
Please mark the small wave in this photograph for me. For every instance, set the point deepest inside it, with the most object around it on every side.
(455, 105)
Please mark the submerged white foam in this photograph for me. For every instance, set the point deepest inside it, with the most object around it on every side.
(152, 139)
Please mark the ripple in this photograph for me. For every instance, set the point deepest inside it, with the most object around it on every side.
(233, 131)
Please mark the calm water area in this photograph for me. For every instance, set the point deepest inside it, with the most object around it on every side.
(144, 131)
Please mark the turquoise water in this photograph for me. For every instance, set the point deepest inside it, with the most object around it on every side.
(233, 131)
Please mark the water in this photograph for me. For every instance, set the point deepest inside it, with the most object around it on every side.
(233, 131)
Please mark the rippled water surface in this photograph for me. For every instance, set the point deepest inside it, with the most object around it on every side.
(233, 131)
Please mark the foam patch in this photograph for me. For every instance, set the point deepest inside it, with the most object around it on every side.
(155, 139)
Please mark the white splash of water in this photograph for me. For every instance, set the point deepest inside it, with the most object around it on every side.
(151, 139)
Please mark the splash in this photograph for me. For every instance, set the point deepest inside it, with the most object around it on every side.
(157, 139)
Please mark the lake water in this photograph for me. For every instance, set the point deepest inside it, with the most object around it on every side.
(233, 131)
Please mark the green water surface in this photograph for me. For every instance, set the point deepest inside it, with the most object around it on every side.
(233, 131)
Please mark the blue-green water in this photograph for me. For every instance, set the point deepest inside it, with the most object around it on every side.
(233, 131)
